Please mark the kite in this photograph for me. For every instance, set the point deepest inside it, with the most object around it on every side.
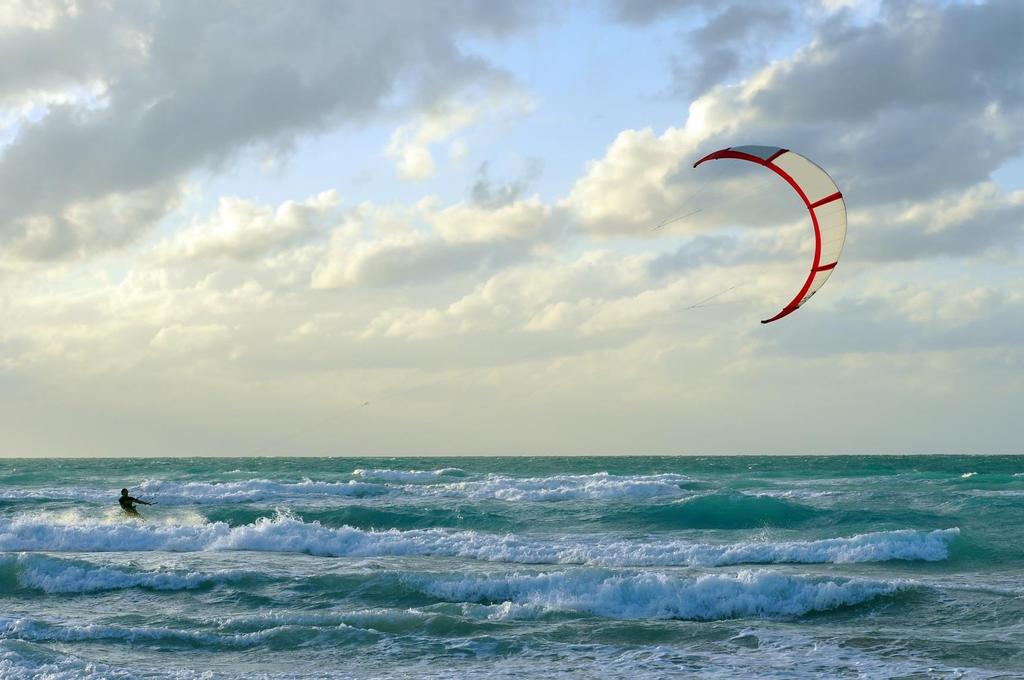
(824, 202)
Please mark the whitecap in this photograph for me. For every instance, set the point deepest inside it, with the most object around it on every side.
(650, 595)
(598, 486)
(406, 475)
(55, 575)
(286, 533)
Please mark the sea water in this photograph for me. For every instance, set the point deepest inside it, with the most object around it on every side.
(631, 567)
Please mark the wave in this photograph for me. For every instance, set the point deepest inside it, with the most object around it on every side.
(717, 511)
(747, 594)
(395, 516)
(401, 621)
(882, 546)
(21, 660)
(189, 493)
(55, 575)
(407, 475)
(758, 650)
(286, 533)
(598, 486)
(173, 493)
(286, 636)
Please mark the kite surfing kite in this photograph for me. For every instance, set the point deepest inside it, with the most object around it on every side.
(824, 202)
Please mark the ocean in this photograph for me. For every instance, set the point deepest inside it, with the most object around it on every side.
(548, 567)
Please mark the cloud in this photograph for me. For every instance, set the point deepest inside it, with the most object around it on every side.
(786, 243)
(911, 318)
(727, 42)
(528, 309)
(86, 226)
(184, 339)
(980, 221)
(210, 80)
(645, 11)
(60, 45)
(582, 299)
(410, 144)
(916, 71)
(923, 103)
(244, 230)
(406, 262)
(486, 194)
(728, 37)
(433, 244)
(507, 221)
(627, 190)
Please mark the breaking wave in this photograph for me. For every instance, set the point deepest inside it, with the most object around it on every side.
(406, 475)
(187, 493)
(287, 533)
(35, 630)
(761, 593)
(601, 485)
(420, 483)
(718, 511)
(56, 575)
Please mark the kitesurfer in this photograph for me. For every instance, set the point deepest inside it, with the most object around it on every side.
(128, 504)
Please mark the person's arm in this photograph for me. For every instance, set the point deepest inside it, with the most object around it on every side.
(136, 500)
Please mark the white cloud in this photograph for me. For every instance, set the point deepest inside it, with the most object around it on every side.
(253, 74)
(244, 230)
(89, 226)
(181, 339)
(426, 243)
(517, 318)
(37, 15)
(463, 223)
(629, 189)
(410, 145)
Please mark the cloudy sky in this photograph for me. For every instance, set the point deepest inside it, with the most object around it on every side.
(355, 228)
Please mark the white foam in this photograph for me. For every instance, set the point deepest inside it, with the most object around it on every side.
(662, 596)
(33, 630)
(38, 663)
(601, 486)
(405, 475)
(55, 575)
(598, 486)
(188, 493)
(252, 490)
(286, 533)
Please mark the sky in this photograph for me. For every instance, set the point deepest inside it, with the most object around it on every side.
(428, 228)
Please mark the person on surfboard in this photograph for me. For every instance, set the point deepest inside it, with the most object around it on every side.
(128, 504)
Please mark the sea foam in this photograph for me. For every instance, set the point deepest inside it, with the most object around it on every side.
(20, 660)
(189, 493)
(650, 595)
(58, 575)
(36, 630)
(406, 475)
(252, 490)
(286, 533)
(598, 486)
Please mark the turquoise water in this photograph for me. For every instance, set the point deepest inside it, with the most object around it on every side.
(635, 567)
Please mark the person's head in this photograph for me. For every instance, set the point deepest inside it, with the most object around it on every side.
(124, 492)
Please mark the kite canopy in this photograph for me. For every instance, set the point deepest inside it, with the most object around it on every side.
(824, 202)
